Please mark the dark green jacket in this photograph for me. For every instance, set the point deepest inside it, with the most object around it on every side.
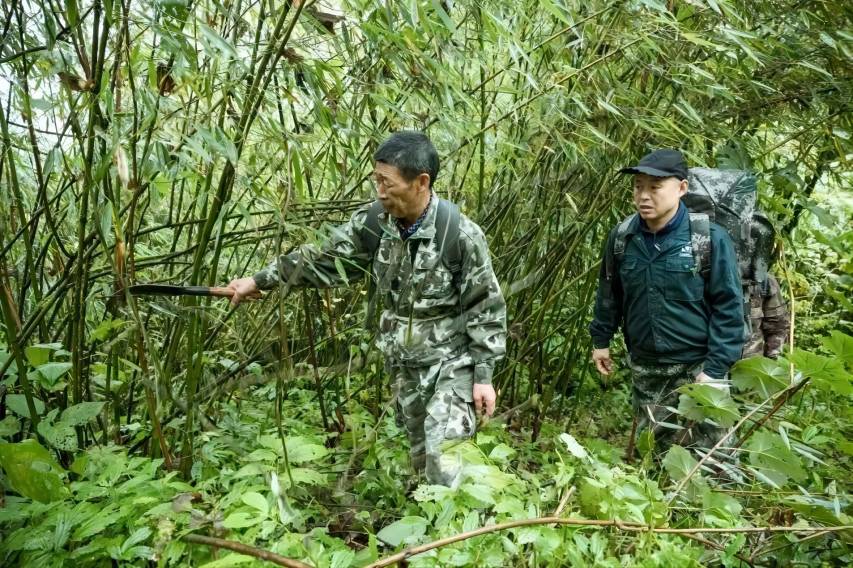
(667, 311)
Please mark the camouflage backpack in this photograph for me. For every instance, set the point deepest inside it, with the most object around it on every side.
(728, 198)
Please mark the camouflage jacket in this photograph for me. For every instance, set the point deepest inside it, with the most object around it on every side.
(426, 317)
(769, 318)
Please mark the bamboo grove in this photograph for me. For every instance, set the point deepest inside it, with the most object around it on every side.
(189, 141)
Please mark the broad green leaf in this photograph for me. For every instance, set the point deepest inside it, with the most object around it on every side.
(558, 11)
(433, 493)
(501, 453)
(443, 15)
(760, 374)
(81, 413)
(700, 401)
(32, 471)
(215, 42)
(342, 559)
(573, 446)
(52, 371)
(301, 450)
(400, 531)
(719, 509)
(696, 39)
(17, 403)
(826, 373)
(368, 554)
(39, 354)
(72, 12)
(841, 345)
(678, 462)
(59, 435)
(307, 476)
(241, 520)
(769, 456)
(9, 426)
(79, 465)
(528, 535)
(262, 454)
(481, 493)
(257, 501)
(601, 136)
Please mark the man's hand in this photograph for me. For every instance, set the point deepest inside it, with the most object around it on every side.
(716, 383)
(484, 399)
(602, 360)
(243, 288)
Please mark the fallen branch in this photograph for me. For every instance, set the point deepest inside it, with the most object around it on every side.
(786, 396)
(719, 443)
(716, 546)
(563, 502)
(615, 523)
(246, 549)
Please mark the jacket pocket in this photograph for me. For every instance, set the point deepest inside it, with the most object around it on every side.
(681, 281)
(437, 283)
(627, 267)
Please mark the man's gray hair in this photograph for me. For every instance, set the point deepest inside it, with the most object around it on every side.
(411, 152)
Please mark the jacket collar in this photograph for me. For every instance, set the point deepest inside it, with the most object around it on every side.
(427, 228)
(639, 226)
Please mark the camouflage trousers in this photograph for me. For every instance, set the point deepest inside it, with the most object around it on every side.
(435, 406)
(654, 393)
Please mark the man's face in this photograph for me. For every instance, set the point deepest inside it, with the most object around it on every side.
(399, 196)
(655, 197)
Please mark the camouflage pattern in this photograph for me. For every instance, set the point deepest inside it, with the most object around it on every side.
(439, 337)
(728, 198)
(435, 406)
(654, 393)
(426, 317)
(770, 323)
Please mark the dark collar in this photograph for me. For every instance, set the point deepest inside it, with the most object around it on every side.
(406, 232)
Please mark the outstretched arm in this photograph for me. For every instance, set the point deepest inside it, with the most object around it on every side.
(341, 259)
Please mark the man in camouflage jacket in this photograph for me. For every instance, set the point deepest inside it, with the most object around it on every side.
(441, 336)
(769, 318)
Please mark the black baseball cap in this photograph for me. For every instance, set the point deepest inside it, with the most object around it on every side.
(660, 163)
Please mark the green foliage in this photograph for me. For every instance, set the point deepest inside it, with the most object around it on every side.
(196, 141)
(826, 373)
(699, 402)
(32, 471)
(773, 460)
(760, 374)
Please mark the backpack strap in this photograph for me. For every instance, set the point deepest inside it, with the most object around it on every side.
(372, 232)
(447, 219)
(700, 242)
(614, 254)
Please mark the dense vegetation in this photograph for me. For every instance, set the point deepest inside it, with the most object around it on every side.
(189, 142)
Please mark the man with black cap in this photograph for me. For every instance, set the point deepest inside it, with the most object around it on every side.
(681, 324)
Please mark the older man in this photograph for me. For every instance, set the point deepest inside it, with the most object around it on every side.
(443, 324)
